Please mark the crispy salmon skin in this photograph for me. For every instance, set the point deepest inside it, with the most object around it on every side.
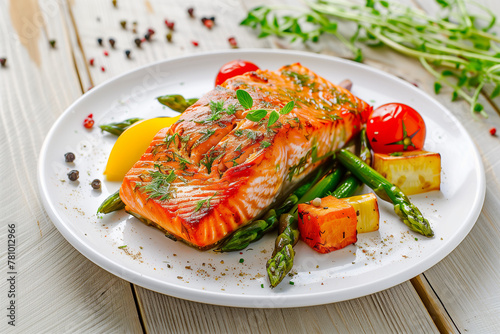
(215, 171)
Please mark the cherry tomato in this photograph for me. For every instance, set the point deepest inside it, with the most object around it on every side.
(395, 127)
(234, 68)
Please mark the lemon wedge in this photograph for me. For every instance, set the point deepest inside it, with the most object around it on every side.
(132, 144)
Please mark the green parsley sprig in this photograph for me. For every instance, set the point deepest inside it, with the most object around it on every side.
(457, 48)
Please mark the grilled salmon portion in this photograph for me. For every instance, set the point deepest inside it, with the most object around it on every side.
(214, 171)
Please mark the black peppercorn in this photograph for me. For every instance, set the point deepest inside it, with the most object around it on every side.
(112, 42)
(191, 11)
(127, 53)
(3, 61)
(52, 43)
(73, 175)
(147, 36)
(96, 184)
(99, 41)
(138, 42)
(69, 157)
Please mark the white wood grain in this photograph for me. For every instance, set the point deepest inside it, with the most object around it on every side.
(58, 290)
(396, 310)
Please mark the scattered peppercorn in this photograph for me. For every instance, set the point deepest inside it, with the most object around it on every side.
(52, 43)
(242, 260)
(3, 61)
(106, 53)
(99, 41)
(232, 42)
(207, 22)
(191, 12)
(493, 131)
(73, 175)
(138, 42)
(134, 28)
(103, 69)
(91, 61)
(96, 184)
(169, 37)
(123, 23)
(147, 37)
(112, 42)
(69, 157)
(170, 24)
(88, 122)
(127, 53)
(114, 2)
(195, 43)
(151, 32)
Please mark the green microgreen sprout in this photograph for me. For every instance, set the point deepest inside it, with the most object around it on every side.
(456, 46)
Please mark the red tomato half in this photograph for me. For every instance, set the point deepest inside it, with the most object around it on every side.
(234, 68)
(395, 127)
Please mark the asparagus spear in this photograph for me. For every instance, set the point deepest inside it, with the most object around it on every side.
(117, 128)
(281, 262)
(348, 187)
(256, 230)
(176, 102)
(112, 203)
(408, 212)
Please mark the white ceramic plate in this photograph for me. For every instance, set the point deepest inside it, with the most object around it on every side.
(379, 260)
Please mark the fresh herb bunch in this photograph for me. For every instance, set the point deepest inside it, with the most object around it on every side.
(458, 48)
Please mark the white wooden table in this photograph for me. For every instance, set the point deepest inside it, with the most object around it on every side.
(60, 291)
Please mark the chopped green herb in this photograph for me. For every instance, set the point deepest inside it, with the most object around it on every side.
(238, 133)
(300, 79)
(231, 109)
(291, 283)
(242, 260)
(265, 144)
(159, 187)
(251, 134)
(202, 202)
(122, 246)
(207, 133)
(396, 154)
(262, 286)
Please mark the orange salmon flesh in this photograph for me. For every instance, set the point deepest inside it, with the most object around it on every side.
(214, 171)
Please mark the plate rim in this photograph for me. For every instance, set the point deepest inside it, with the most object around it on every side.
(253, 301)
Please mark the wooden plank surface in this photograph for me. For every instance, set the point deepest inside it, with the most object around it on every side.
(57, 289)
(396, 310)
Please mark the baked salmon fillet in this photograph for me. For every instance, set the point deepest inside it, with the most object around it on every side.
(214, 171)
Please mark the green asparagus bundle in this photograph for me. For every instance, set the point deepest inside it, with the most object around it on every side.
(282, 260)
(408, 212)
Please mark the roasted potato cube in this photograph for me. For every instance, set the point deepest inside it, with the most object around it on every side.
(366, 207)
(414, 172)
